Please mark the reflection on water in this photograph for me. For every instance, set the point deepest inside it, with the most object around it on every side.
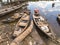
(46, 10)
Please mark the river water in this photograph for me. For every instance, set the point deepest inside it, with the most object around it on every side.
(48, 12)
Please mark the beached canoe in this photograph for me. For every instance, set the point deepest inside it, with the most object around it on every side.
(20, 38)
(43, 25)
(14, 17)
(22, 24)
(58, 18)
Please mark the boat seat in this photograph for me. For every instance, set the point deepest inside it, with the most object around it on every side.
(22, 24)
(49, 34)
(25, 21)
(16, 15)
(36, 16)
(42, 24)
(26, 18)
(21, 13)
(17, 32)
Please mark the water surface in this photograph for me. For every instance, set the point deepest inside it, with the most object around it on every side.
(46, 10)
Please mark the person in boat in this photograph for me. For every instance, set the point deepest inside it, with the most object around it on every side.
(36, 11)
(53, 5)
(44, 27)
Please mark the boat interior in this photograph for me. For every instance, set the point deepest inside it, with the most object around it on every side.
(16, 15)
(22, 24)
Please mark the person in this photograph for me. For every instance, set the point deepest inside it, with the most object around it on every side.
(53, 5)
(36, 11)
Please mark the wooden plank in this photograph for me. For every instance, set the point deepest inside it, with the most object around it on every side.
(8, 10)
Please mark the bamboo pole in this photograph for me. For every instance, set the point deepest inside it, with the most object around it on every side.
(23, 35)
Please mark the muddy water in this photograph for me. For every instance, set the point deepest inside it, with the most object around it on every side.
(46, 10)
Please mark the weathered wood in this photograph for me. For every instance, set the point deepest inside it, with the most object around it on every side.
(21, 25)
(23, 35)
(8, 10)
(13, 18)
(58, 18)
(43, 25)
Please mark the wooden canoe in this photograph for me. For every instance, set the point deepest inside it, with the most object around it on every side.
(11, 9)
(58, 18)
(22, 25)
(13, 18)
(20, 38)
(43, 25)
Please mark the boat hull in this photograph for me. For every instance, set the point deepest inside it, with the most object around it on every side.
(39, 27)
(22, 25)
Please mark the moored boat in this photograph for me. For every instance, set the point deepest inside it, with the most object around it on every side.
(58, 18)
(14, 17)
(20, 38)
(11, 9)
(22, 24)
(43, 25)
